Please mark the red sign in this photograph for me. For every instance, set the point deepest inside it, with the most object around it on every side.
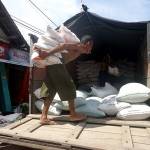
(3, 50)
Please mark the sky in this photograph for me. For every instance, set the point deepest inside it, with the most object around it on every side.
(61, 10)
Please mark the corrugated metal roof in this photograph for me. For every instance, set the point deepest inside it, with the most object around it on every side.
(11, 30)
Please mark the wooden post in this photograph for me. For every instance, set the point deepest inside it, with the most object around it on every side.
(35, 80)
(30, 79)
(148, 54)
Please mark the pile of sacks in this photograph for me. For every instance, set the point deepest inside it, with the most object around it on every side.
(59, 105)
(129, 103)
(85, 102)
(49, 40)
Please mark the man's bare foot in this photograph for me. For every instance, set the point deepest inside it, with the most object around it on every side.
(47, 122)
(77, 117)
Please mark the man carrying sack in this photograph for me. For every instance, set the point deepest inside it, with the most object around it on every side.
(57, 77)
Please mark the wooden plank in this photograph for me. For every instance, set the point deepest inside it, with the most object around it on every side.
(31, 144)
(33, 127)
(44, 137)
(48, 132)
(111, 121)
(103, 128)
(64, 125)
(56, 118)
(28, 126)
(96, 144)
(141, 140)
(148, 131)
(50, 128)
(138, 146)
(18, 123)
(126, 137)
(33, 121)
(76, 132)
(139, 131)
(22, 128)
(7, 132)
(99, 135)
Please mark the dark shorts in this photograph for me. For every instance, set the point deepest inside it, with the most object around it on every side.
(58, 80)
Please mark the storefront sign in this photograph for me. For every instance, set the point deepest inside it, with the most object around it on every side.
(3, 50)
(19, 56)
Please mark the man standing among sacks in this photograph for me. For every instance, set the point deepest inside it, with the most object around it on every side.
(58, 79)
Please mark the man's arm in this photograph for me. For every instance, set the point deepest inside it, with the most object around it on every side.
(59, 48)
(70, 56)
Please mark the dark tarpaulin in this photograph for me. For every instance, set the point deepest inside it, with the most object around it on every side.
(119, 39)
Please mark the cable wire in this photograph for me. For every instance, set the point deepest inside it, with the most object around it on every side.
(42, 12)
(15, 18)
(26, 26)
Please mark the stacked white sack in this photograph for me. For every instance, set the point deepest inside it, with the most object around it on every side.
(102, 92)
(135, 94)
(111, 107)
(49, 40)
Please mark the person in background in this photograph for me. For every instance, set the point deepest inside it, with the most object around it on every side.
(58, 79)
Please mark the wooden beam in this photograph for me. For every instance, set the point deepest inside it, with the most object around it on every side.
(34, 127)
(77, 131)
(148, 54)
(18, 123)
(126, 137)
(111, 121)
(36, 145)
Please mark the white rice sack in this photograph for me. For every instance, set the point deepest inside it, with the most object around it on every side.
(67, 35)
(54, 35)
(81, 94)
(42, 45)
(111, 107)
(104, 91)
(133, 93)
(56, 98)
(37, 93)
(64, 105)
(48, 40)
(51, 111)
(113, 71)
(91, 109)
(135, 112)
(94, 98)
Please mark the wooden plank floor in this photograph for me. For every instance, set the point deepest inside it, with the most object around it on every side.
(92, 134)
